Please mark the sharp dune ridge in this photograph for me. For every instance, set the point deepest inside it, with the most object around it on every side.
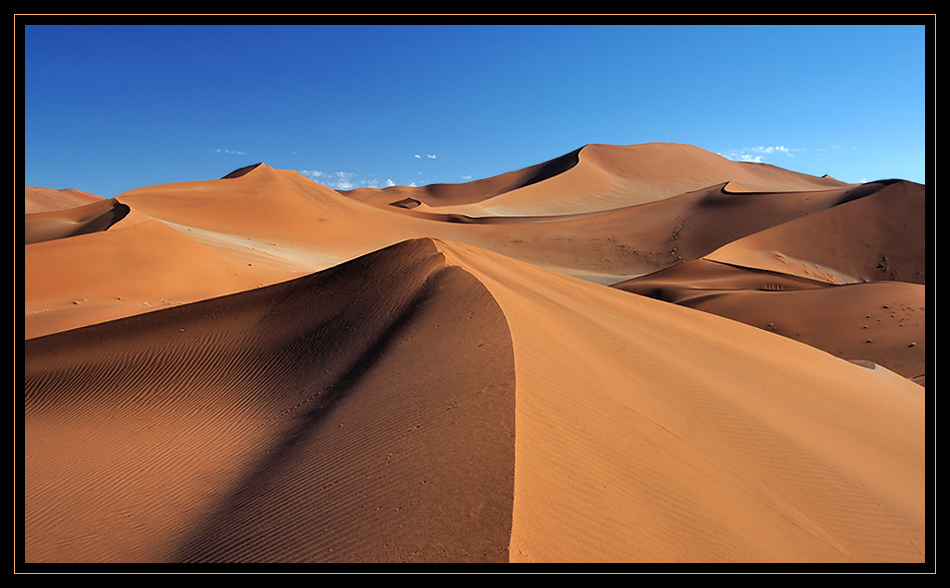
(628, 354)
(39, 199)
(89, 218)
(315, 427)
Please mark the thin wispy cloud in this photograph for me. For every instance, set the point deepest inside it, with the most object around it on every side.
(757, 154)
(337, 180)
(228, 151)
(342, 180)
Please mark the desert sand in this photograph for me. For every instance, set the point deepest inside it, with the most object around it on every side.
(627, 354)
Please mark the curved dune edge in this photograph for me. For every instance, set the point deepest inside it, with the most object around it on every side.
(264, 226)
(438, 402)
(361, 414)
(260, 368)
(883, 322)
(473, 192)
(59, 224)
(38, 199)
(871, 233)
(658, 434)
(597, 178)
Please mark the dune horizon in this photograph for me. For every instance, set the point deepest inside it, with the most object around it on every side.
(627, 354)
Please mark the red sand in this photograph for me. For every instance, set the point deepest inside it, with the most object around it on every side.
(627, 354)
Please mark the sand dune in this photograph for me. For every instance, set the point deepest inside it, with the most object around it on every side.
(678, 436)
(80, 220)
(279, 225)
(881, 322)
(626, 354)
(597, 178)
(307, 421)
(874, 233)
(438, 195)
(299, 422)
(37, 199)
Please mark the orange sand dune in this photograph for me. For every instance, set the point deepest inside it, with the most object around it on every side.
(89, 218)
(597, 178)
(307, 421)
(437, 402)
(82, 280)
(282, 225)
(881, 322)
(465, 193)
(877, 236)
(37, 199)
(626, 354)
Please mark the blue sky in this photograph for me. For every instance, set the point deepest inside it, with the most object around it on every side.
(111, 108)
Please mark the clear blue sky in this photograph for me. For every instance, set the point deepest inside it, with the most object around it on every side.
(112, 108)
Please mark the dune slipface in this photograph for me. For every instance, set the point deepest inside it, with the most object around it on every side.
(90, 218)
(362, 414)
(260, 226)
(38, 199)
(625, 354)
(882, 322)
(651, 432)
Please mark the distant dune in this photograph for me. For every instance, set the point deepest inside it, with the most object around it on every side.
(57, 224)
(883, 322)
(597, 178)
(47, 199)
(627, 354)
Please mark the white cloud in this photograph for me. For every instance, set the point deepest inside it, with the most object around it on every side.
(343, 181)
(431, 156)
(228, 151)
(338, 180)
(757, 154)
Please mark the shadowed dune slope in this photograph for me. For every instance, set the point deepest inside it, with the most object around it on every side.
(883, 322)
(600, 177)
(260, 226)
(37, 199)
(651, 432)
(877, 236)
(193, 241)
(434, 401)
(441, 194)
(626, 354)
(365, 413)
(57, 224)
(87, 279)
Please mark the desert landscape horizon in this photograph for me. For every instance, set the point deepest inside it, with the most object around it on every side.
(643, 353)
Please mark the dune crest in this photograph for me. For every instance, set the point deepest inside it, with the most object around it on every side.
(80, 220)
(601, 177)
(611, 419)
(872, 233)
(878, 321)
(38, 199)
(626, 354)
(298, 410)
(648, 404)
(280, 225)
